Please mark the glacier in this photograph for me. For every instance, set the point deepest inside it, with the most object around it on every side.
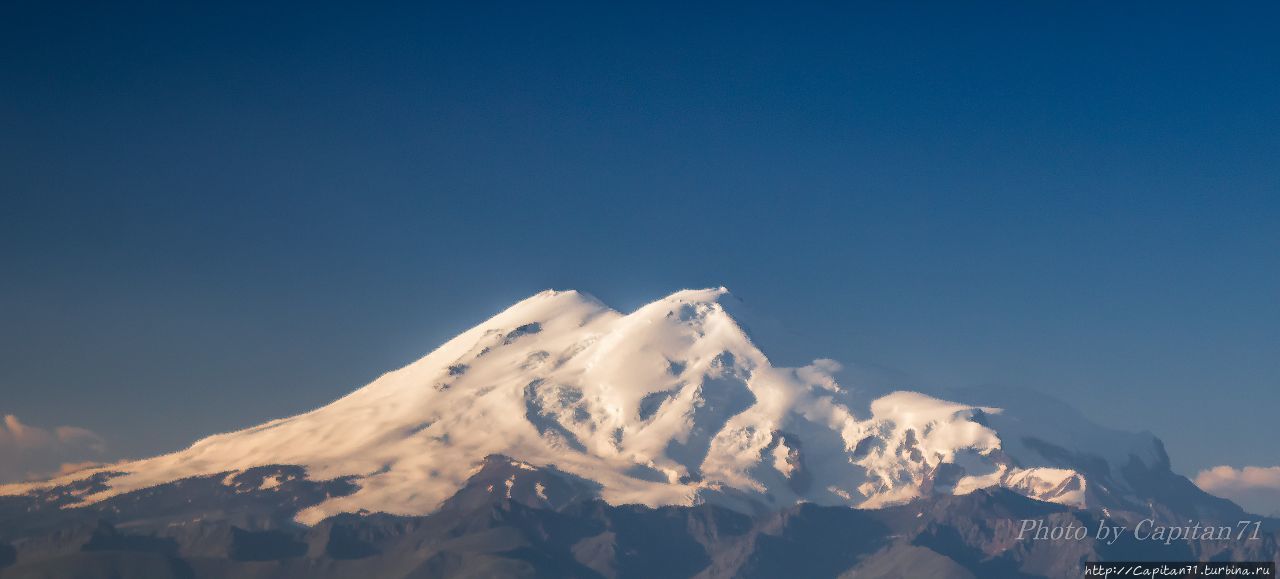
(672, 404)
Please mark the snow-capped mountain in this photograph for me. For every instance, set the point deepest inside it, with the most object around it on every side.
(672, 404)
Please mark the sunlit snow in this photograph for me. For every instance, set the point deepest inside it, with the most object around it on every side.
(669, 405)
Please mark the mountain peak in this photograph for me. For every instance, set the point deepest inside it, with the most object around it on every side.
(705, 295)
(550, 301)
(672, 404)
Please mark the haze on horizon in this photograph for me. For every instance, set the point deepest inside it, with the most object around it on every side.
(216, 216)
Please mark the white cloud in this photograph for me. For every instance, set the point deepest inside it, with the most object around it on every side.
(1256, 488)
(28, 452)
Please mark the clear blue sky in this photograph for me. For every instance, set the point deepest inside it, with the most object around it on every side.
(214, 216)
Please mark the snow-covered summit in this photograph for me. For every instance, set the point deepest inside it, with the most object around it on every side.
(672, 404)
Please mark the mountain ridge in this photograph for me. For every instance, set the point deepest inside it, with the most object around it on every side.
(514, 520)
(672, 404)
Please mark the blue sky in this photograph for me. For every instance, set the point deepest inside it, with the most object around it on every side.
(218, 215)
